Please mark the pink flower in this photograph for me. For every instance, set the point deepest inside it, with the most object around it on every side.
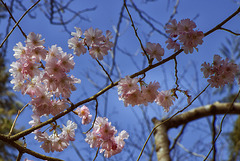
(38, 53)
(149, 93)
(59, 142)
(191, 40)
(93, 139)
(58, 106)
(47, 144)
(172, 44)
(53, 53)
(220, 72)
(127, 84)
(107, 131)
(155, 51)
(107, 43)
(93, 36)
(77, 46)
(172, 28)
(16, 70)
(78, 32)
(19, 50)
(33, 40)
(206, 69)
(188, 37)
(117, 146)
(165, 99)
(33, 87)
(36, 120)
(133, 97)
(98, 51)
(103, 136)
(84, 113)
(53, 68)
(186, 25)
(66, 62)
(68, 131)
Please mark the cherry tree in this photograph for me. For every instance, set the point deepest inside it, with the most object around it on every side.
(44, 73)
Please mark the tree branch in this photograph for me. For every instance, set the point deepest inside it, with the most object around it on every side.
(214, 109)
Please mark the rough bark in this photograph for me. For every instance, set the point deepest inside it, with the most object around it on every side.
(162, 142)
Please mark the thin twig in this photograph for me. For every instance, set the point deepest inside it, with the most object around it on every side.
(96, 154)
(5, 5)
(14, 122)
(178, 136)
(176, 71)
(234, 33)
(221, 124)
(135, 30)
(213, 137)
(219, 26)
(16, 24)
(105, 71)
(96, 109)
(155, 127)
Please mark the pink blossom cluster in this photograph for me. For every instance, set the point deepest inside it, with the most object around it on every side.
(154, 50)
(84, 113)
(97, 44)
(220, 72)
(131, 94)
(184, 34)
(55, 141)
(46, 85)
(103, 136)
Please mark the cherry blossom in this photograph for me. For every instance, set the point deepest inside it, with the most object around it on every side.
(93, 36)
(155, 51)
(84, 113)
(68, 131)
(132, 94)
(97, 44)
(77, 46)
(149, 92)
(172, 28)
(220, 72)
(103, 136)
(172, 44)
(185, 36)
(57, 142)
(78, 32)
(165, 99)
(33, 40)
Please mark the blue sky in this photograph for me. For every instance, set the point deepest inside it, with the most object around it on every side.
(207, 14)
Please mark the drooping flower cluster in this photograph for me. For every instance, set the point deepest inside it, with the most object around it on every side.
(103, 136)
(43, 75)
(154, 50)
(220, 72)
(84, 113)
(185, 36)
(55, 141)
(46, 85)
(131, 94)
(97, 44)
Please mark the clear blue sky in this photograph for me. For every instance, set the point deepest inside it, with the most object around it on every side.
(207, 14)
